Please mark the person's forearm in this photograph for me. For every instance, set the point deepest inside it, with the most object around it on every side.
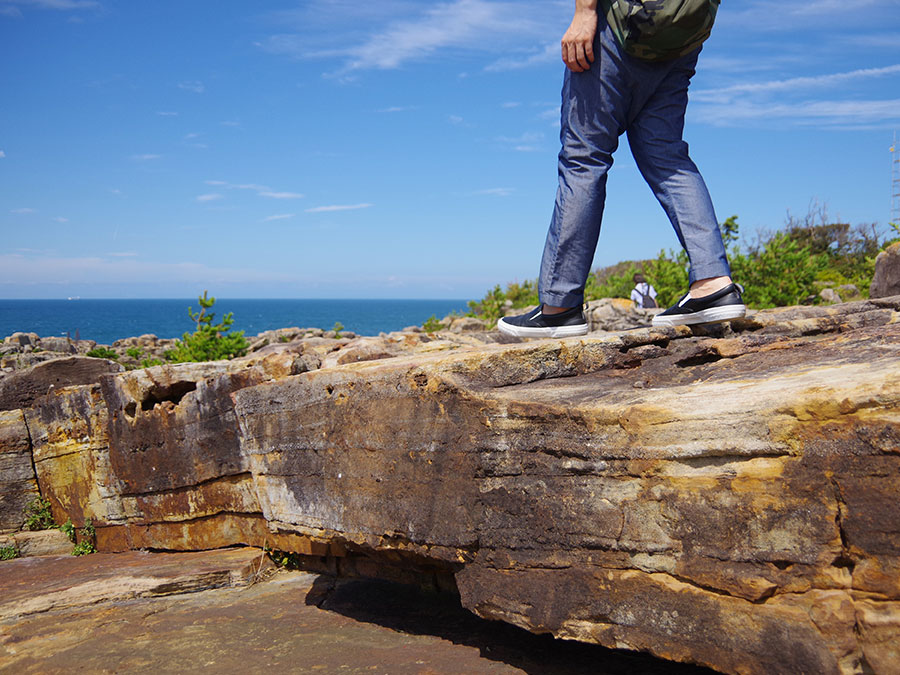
(585, 6)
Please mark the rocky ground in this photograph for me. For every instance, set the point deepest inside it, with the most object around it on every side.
(725, 495)
(230, 611)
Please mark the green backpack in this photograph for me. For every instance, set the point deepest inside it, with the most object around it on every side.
(660, 30)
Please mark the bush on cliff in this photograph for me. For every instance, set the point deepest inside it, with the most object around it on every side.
(209, 342)
(785, 267)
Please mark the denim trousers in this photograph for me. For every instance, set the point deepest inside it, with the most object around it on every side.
(647, 100)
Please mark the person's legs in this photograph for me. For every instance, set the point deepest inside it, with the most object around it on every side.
(655, 136)
(594, 108)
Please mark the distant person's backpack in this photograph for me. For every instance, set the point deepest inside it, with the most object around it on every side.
(647, 302)
(659, 30)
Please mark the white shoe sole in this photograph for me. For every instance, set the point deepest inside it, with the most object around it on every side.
(550, 332)
(711, 315)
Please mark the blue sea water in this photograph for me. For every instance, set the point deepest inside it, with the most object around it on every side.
(108, 320)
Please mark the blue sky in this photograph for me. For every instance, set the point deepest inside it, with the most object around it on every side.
(390, 149)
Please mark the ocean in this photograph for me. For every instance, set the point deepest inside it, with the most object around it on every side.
(106, 321)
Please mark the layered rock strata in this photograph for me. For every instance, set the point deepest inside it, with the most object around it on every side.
(726, 496)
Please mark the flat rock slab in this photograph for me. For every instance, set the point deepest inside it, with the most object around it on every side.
(34, 585)
(294, 621)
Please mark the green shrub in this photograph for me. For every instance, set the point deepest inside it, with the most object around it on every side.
(337, 328)
(9, 552)
(68, 529)
(37, 515)
(432, 325)
(88, 536)
(209, 342)
(135, 352)
(103, 353)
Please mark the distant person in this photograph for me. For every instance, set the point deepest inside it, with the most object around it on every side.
(643, 294)
(629, 68)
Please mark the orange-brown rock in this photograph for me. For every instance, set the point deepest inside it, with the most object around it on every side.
(725, 496)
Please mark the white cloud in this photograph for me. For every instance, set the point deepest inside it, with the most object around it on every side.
(496, 192)
(164, 113)
(60, 219)
(117, 268)
(527, 142)
(551, 53)
(338, 207)
(843, 114)
(11, 7)
(396, 108)
(146, 158)
(261, 190)
(193, 86)
(792, 84)
(2, 154)
(210, 197)
(23, 210)
(278, 216)
(405, 31)
(455, 119)
(281, 195)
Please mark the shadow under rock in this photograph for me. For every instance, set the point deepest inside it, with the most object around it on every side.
(416, 611)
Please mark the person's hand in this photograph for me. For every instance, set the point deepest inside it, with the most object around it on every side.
(578, 42)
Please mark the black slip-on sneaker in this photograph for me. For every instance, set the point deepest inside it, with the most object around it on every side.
(537, 324)
(722, 305)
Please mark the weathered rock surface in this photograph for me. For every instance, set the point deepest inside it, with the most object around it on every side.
(164, 612)
(726, 496)
(886, 280)
(18, 485)
(39, 543)
(21, 389)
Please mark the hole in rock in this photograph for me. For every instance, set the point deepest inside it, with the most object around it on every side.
(131, 408)
(698, 360)
(173, 392)
(843, 561)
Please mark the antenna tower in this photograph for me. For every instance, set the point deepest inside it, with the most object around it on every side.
(895, 182)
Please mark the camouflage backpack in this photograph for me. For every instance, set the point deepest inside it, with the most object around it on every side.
(659, 30)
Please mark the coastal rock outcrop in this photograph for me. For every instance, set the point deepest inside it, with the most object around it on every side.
(723, 495)
(886, 280)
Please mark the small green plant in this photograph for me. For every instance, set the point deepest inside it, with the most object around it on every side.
(103, 353)
(83, 548)
(284, 338)
(432, 325)
(37, 515)
(284, 559)
(88, 537)
(68, 529)
(9, 552)
(135, 352)
(149, 363)
(209, 342)
(338, 327)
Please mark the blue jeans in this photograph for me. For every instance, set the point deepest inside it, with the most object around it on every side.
(647, 100)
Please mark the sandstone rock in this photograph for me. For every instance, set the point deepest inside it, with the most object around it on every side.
(612, 314)
(17, 479)
(22, 339)
(21, 389)
(724, 495)
(31, 586)
(40, 543)
(886, 281)
(466, 324)
(57, 344)
(830, 296)
(848, 291)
